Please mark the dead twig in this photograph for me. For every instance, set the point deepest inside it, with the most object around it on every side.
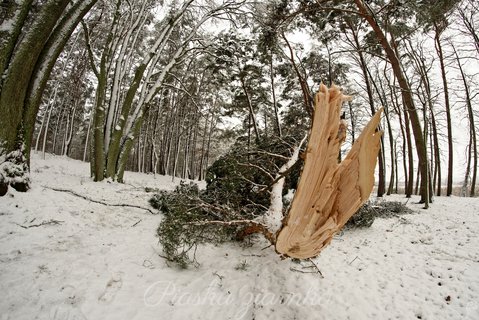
(136, 223)
(302, 271)
(317, 268)
(44, 223)
(267, 247)
(353, 260)
(218, 275)
(98, 201)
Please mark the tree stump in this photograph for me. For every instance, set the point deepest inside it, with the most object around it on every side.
(329, 193)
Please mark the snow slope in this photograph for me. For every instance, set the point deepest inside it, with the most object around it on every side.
(63, 257)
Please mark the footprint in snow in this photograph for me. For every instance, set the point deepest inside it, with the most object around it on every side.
(111, 289)
(62, 312)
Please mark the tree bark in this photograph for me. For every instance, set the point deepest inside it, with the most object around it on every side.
(450, 158)
(251, 111)
(472, 125)
(27, 56)
(406, 96)
(273, 93)
(369, 90)
(20, 71)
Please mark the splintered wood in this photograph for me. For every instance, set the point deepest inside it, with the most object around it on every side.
(329, 193)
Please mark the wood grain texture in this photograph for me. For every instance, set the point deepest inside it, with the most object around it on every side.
(329, 193)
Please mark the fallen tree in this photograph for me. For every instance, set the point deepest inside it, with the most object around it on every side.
(245, 194)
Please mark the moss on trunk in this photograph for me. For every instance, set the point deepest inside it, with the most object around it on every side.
(28, 52)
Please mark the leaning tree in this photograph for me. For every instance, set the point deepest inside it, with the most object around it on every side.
(32, 36)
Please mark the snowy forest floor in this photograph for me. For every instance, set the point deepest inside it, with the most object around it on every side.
(64, 257)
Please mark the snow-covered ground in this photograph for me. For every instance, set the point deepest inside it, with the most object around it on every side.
(64, 257)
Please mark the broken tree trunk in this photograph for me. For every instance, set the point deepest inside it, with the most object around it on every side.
(329, 193)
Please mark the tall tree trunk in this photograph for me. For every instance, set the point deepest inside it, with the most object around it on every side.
(98, 145)
(410, 157)
(210, 138)
(406, 97)
(40, 130)
(47, 126)
(472, 125)
(436, 153)
(250, 108)
(15, 14)
(21, 67)
(467, 174)
(87, 140)
(450, 158)
(427, 100)
(203, 147)
(28, 52)
(193, 148)
(128, 122)
(408, 161)
(382, 95)
(369, 90)
(273, 93)
(70, 131)
(57, 129)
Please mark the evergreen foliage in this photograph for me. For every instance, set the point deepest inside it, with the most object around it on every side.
(237, 190)
(181, 229)
(371, 210)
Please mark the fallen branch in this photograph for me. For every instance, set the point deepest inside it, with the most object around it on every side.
(44, 223)
(353, 260)
(316, 267)
(136, 223)
(297, 270)
(98, 201)
(312, 266)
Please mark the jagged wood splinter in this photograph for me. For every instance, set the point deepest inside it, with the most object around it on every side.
(329, 193)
